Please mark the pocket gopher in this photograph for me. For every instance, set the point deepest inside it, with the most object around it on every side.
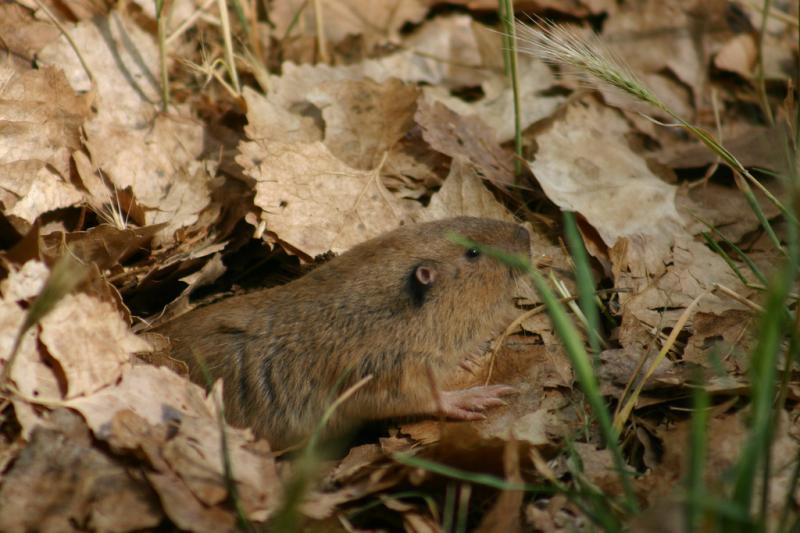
(404, 307)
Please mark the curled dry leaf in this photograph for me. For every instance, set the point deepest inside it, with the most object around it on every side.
(130, 142)
(196, 454)
(364, 119)
(31, 375)
(658, 301)
(467, 138)
(24, 35)
(40, 492)
(185, 510)
(189, 475)
(268, 120)
(42, 117)
(187, 469)
(301, 183)
(444, 51)
(496, 108)
(464, 194)
(177, 397)
(738, 55)
(617, 194)
(79, 347)
(106, 246)
(90, 342)
(207, 275)
(376, 22)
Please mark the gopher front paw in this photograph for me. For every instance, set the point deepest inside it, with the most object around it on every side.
(469, 404)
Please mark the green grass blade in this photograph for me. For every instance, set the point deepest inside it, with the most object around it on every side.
(506, 11)
(581, 363)
(764, 386)
(756, 208)
(404, 495)
(725, 257)
(476, 478)
(742, 255)
(698, 436)
(487, 480)
(583, 276)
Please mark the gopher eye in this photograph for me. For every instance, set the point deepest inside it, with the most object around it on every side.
(472, 253)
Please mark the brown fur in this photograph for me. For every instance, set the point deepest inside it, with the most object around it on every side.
(286, 352)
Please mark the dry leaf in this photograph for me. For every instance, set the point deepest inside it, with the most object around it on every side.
(443, 51)
(195, 454)
(598, 467)
(41, 118)
(23, 35)
(185, 510)
(505, 514)
(496, 108)
(177, 397)
(128, 140)
(31, 375)
(658, 301)
(377, 22)
(270, 121)
(61, 483)
(584, 165)
(725, 208)
(364, 119)
(467, 138)
(727, 435)
(24, 283)
(79, 326)
(724, 338)
(738, 55)
(104, 245)
(655, 37)
(314, 202)
(463, 194)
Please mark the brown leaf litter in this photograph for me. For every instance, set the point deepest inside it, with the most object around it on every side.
(388, 117)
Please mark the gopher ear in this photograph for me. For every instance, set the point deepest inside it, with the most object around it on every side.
(420, 280)
(425, 274)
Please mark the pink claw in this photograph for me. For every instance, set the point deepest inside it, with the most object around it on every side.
(469, 404)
